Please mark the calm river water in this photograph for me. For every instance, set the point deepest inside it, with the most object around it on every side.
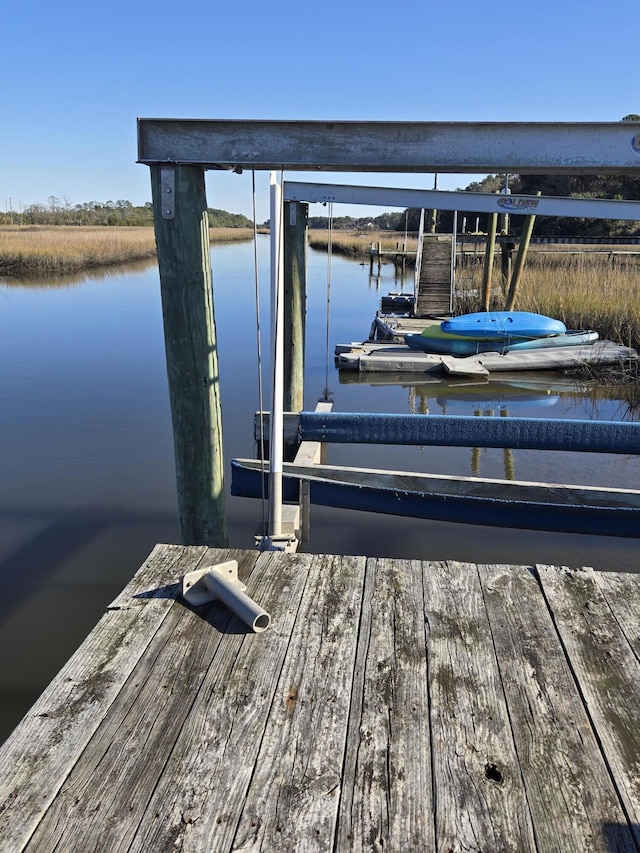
(87, 477)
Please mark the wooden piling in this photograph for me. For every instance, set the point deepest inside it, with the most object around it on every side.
(505, 261)
(523, 247)
(295, 293)
(487, 272)
(182, 240)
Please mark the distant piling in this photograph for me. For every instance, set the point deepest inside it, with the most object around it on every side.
(523, 247)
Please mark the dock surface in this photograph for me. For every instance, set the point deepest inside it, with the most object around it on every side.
(374, 357)
(391, 705)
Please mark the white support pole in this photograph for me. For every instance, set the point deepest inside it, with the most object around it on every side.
(277, 349)
(454, 240)
(418, 266)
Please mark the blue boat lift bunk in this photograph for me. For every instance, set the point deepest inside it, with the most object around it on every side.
(469, 500)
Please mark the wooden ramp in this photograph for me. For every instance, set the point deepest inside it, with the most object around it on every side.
(392, 705)
(435, 283)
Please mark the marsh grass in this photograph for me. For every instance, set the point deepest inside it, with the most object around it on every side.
(586, 290)
(357, 245)
(64, 249)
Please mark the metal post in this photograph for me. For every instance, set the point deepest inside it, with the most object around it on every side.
(277, 348)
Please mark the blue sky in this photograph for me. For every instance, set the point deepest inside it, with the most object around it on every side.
(78, 74)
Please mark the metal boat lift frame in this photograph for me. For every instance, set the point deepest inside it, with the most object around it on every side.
(410, 147)
(179, 151)
(513, 204)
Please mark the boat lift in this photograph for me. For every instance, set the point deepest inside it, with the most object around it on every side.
(178, 151)
(469, 500)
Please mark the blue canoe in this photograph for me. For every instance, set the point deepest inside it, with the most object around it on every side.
(443, 345)
(503, 324)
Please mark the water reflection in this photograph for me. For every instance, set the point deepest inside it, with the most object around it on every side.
(64, 280)
(520, 392)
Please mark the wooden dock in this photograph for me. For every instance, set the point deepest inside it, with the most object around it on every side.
(392, 705)
(400, 256)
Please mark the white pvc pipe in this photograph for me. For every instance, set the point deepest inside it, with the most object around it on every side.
(453, 259)
(277, 347)
(416, 271)
(227, 590)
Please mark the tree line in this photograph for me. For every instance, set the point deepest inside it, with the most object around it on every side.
(124, 213)
(111, 213)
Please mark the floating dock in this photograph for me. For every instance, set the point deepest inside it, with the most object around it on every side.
(392, 327)
(391, 705)
(375, 357)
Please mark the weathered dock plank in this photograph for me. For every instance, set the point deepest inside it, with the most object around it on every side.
(554, 741)
(143, 723)
(217, 750)
(293, 800)
(36, 760)
(607, 671)
(481, 799)
(386, 800)
(622, 594)
(392, 705)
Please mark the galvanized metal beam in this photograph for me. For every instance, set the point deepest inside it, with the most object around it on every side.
(525, 205)
(363, 146)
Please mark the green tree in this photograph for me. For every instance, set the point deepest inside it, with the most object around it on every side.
(223, 219)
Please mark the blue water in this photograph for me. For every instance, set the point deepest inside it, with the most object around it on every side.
(87, 481)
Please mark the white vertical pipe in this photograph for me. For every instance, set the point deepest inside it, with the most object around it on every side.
(453, 258)
(418, 266)
(277, 349)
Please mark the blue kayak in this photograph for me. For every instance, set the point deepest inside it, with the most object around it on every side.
(503, 324)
